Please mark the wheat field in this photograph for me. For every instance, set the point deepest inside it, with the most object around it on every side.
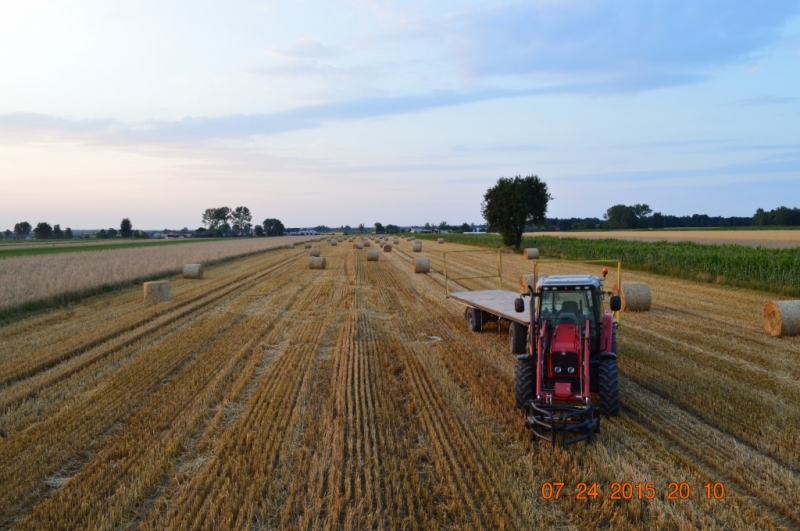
(272, 396)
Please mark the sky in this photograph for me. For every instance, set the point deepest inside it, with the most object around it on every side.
(363, 111)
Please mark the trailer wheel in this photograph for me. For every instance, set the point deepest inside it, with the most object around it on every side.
(524, 382)
(474, 319)
(517, 336)
(608, 383)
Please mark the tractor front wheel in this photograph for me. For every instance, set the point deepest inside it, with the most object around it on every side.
(524, 382)
(608, 384)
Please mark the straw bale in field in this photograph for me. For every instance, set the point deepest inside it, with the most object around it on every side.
(290, 246)
(635, 296)
(366, 243)
(441, 240)
(308, 245)
(193, 271)
(372, 256)
(314, 251)
(317, 262)
(157, 291)
(417, 247)
(421, 265)
(396, 241)
(532, 253)
(782, 318)
(359, 245)
(333, 243)
(387, 248)
(524, 282)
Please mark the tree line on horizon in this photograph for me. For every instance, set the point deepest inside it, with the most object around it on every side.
(224, 221)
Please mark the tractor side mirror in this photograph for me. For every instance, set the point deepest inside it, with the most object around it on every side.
(519, 305)
(616, 303)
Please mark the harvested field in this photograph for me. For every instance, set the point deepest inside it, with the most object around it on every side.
(271, 396)
(751, 238)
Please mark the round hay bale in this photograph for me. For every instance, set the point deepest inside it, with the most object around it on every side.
(333, 243)
(440, 240)
(366, 243)
(410, 238)
(524, 282)
(420, 265)
(782, 318)
(359, 245)
(290, 246)
(372, 256)
(532, 253)
(417, 247)
(396, 241)
(157, 291)
(387, 248)
(317, 262)
(314, 251)
(308, 245)
(635, 296)
(193, 271)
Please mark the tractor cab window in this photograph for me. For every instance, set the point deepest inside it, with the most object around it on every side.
(568, 306)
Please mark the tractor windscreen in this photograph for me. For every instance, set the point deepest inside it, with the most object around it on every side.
(569, 306)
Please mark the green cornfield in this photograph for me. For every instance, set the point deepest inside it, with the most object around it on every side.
(774, 270)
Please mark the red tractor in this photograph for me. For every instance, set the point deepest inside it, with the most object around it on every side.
(567, 352)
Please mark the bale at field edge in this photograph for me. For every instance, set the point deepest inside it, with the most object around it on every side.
(193, 271)
(782, 318)
(532, 253)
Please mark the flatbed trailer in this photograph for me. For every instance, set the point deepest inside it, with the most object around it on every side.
(496, 303)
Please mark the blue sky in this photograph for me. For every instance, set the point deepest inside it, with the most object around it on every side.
(399, 112)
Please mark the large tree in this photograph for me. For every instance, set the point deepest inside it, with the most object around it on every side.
(513, 203)
(273, 227)
(627, 217)
(43, 231)
(126, 228)
(240, 218)
(214, 218)
(23, 228)
(58, 234)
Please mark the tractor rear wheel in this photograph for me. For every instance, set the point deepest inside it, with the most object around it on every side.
(474, 319)
(517, 338)
(524, 382)
(608, 384)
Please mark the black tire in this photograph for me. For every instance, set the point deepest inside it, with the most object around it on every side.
(524, 382)
(474, 320)
(517, 338)
(608, 383)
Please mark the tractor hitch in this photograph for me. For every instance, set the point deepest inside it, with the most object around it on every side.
(575, 424)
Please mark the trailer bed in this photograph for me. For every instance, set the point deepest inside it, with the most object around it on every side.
(497, 302)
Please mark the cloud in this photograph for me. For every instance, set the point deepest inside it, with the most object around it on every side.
(621, 44)
(496, 147)
(240, 126)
